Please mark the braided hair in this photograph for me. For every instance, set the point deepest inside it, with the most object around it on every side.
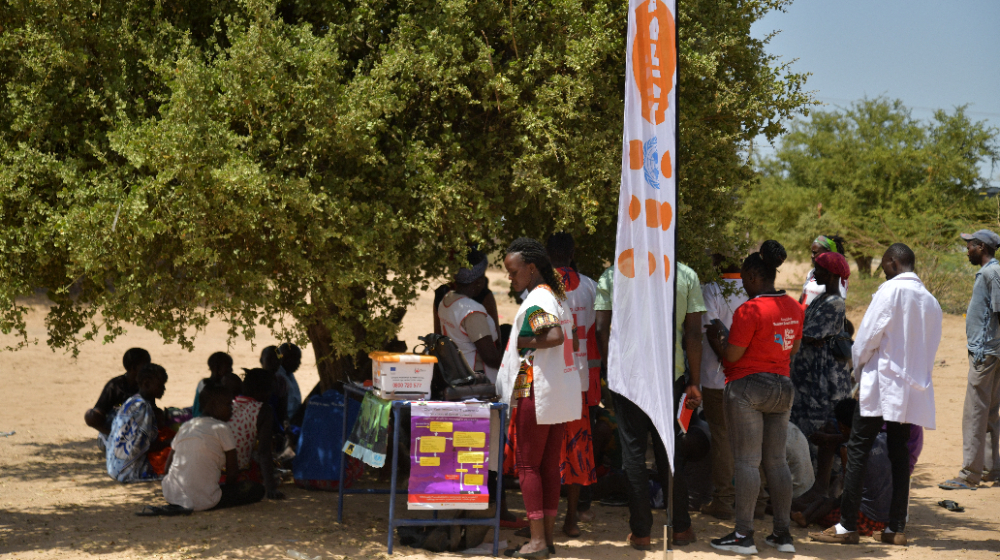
(532, 252)
(838, 241)
(766, 261)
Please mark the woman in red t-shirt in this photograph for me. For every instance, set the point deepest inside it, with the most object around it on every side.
(756, 353)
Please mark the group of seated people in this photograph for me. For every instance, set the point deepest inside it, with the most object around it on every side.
(220, 452)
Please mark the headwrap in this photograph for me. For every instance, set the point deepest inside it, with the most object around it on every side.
(825, 241)
(834, 263)
(470, 275)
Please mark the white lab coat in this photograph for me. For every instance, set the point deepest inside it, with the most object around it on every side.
(894, 351)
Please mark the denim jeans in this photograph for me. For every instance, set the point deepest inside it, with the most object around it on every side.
(757, 410)
(722, 454)
(634, 429)
(864, 430)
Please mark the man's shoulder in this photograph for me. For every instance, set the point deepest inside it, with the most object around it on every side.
(687, 275)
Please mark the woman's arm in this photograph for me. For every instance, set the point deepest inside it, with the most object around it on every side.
(550, 337)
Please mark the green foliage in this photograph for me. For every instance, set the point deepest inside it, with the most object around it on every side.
(304, 166)
(875, 175)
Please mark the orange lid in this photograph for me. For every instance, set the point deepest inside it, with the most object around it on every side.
(402, 358)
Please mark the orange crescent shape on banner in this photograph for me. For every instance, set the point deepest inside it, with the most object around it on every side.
(652, 263)
(626, 263)
(654, 58)
(665, 166)
(666, 267)
(666, 215)
(652, 213)
(634, 208)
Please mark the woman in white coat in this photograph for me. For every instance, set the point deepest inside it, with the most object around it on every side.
(538, 376)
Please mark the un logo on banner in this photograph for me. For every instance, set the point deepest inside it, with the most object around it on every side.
(651, 163)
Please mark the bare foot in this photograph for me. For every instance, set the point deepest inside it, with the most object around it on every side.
(586, 516)
(800, 518)
(571, 529)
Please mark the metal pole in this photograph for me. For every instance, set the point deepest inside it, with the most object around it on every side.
(395, 466)
(668, 529)
(343, 441)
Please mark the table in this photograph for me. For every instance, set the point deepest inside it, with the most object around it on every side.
(393, 521)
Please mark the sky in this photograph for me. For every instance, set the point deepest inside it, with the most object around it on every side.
(929, 54)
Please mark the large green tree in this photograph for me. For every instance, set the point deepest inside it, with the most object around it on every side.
(304, 166)
(876, 175)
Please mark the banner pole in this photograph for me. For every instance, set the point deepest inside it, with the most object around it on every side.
(668, 546)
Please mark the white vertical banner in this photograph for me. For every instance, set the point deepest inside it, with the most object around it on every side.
(641, 350)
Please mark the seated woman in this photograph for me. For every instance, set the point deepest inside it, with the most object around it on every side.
(251, 425)
(134, 429)
(220, 365)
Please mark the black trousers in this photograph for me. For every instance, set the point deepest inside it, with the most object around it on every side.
(863, 433)
(634, 429)
(240, 494)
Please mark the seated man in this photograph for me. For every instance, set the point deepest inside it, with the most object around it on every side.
(220, 366)
(205, 446)
(115, 393)
(134, 430)
(876, 493)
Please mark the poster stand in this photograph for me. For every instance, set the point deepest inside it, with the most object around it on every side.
(351, 390)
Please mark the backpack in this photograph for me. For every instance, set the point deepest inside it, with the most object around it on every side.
(454, 379)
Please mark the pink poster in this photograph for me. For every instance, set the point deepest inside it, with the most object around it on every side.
(449, 455)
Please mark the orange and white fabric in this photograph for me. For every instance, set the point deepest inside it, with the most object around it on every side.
(581, 292)
(464, 320)
(243, 424)
(641, 350)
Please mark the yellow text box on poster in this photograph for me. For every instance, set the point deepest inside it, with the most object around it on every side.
(469, 439)
(440, 427)
(430, 461)
(470, 456)
(432, 444)
(474, 479)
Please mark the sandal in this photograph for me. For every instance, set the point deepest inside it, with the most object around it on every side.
(957, 484)
(538, 554)
(168, 510)
(951, 506)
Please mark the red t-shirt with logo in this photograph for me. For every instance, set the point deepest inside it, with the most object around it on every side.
(767, 326)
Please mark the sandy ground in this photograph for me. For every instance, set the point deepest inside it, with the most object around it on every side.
(57, 502)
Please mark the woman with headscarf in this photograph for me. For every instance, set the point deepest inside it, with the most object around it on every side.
(821, 380)
(812, 288)
(539, 377)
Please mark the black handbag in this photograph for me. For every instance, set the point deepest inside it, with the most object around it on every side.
(454, 379)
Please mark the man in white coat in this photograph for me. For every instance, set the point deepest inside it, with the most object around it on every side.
(894, 357)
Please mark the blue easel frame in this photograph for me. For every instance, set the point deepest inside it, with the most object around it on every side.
(393, 522)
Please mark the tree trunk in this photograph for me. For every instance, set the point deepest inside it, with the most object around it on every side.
(864, 266)
(333, 366)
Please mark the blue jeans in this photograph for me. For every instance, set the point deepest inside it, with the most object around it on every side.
(757, 409)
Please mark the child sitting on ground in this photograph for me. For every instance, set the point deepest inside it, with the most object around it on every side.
(134, 430)
(220, 365)
(204, 446)
(252, 427)
(114, 395)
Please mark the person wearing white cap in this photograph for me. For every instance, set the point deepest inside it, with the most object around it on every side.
(981, 413)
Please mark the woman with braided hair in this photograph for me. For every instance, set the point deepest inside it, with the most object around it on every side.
(538, 375)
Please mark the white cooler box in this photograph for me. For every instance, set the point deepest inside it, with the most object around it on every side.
(402, 376)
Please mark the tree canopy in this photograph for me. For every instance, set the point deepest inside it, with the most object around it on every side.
(876, 175)
(305, 166)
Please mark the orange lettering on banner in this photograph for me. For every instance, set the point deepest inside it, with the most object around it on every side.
(654, 58)
(652, 213)
(666, 215)
(665, 166)
(652, 263)
(626, 263)
(634, 208)
(635, 154)
(666, 267)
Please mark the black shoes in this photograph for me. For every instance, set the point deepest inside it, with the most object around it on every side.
(741, 545)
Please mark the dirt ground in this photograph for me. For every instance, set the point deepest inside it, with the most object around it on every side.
(57, 502)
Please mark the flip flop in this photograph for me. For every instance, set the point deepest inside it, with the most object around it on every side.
(956, 484)
(169, 510)
(951, 506)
